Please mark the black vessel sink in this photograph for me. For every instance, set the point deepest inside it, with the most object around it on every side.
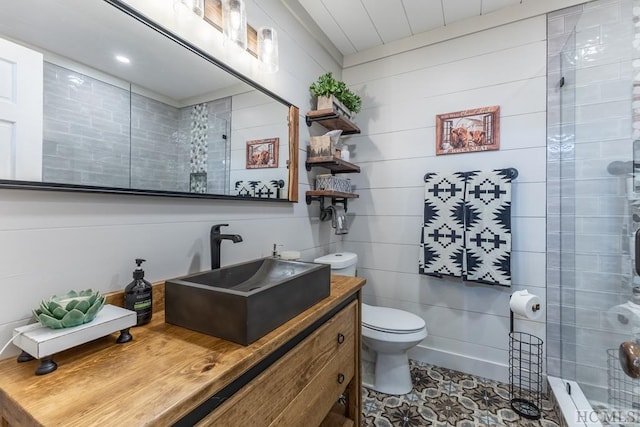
(243, 302)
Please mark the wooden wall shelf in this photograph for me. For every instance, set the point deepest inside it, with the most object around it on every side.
(334, 164)
(332, 121)
(335, 196)
(330, 193)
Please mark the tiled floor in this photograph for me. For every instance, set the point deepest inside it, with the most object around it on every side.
(443, 398)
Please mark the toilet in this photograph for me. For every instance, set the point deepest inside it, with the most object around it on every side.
(388, 332)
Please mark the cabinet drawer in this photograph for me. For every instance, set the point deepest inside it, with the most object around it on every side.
(317, 398)
(265, 398)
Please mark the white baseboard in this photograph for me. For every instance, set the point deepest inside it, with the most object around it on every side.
(460, 362)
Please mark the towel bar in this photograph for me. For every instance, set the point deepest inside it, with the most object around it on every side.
(513, 173)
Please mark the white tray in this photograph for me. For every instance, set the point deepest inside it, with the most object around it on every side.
(40, 341)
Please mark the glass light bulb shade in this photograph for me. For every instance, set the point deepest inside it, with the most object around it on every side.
(268, 49)
(195, 6)
(234, 22)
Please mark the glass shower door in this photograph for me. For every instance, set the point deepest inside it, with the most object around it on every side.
(599, 210)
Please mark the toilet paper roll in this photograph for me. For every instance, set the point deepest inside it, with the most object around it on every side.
(526, 305)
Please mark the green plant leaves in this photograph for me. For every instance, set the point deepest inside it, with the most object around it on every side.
(327, 85)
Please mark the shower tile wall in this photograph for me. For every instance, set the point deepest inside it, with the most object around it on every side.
(588, 263)
(86, 130)
(198, 145)
(92, 129)
(156, 141)
(219, 145)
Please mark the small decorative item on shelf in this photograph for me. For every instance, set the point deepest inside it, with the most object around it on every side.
(325, 145)
(71, 309)
(333, 183)
(335, 95)
(344, 153)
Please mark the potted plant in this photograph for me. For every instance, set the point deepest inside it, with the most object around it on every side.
(335, 95)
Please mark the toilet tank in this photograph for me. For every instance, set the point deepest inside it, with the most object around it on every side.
(343, 263)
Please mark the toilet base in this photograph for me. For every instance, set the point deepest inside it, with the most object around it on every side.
(392, 375)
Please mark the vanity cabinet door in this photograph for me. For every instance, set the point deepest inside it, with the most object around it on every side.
(301, 387)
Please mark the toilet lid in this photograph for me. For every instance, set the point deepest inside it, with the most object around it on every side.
(386, 319)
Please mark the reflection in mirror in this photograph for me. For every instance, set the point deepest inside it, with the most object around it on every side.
(124, 107)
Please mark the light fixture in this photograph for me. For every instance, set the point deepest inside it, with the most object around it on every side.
(234, 22)
(195, 6)
(123, 59)
(268, 49)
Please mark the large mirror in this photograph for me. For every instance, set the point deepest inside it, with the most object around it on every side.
(108, 101)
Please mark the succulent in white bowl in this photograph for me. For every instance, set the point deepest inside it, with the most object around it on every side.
(72, 309)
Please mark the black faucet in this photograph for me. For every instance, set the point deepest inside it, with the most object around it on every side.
(216, 238)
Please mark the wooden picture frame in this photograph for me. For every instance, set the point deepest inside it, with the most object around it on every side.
(468, 131)
(262, 153)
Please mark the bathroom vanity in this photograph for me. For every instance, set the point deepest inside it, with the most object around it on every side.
(305, 372)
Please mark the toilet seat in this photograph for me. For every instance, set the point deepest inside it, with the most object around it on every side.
(390, 320)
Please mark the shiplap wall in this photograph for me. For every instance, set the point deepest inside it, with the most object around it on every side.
(468, 324)
(255, 117)
(51, 242)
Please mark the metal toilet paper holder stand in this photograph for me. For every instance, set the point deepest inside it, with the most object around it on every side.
(525, 371)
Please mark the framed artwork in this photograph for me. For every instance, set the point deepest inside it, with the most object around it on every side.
(468, 131)
(262, 153)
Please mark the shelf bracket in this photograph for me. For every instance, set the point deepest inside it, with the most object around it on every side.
(340, 200)
(325, 212)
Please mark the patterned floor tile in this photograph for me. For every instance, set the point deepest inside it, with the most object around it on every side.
(445, 398)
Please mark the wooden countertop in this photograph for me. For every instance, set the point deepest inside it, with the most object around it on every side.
(160, 376)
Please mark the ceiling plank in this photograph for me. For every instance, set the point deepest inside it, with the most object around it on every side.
(354, 21)
(328, 25)
(489, 6)
(528, 9)
(457, 10)
(389, 19)
(423, 15)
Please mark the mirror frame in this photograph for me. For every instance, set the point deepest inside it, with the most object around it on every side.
(293, 125)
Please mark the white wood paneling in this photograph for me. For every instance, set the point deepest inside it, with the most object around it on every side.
(492, 40)
(459, 28)
(515, 98)
(410, 172)
(467, 296)
(503, 66)
(516, 132)
(388, 18)
(493, 5)
(457, 77)
(323, 17)
(458, 10)
(423, 15)
(353, 20)
(51, 242)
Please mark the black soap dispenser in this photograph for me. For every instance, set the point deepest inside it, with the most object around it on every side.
(138, 295)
